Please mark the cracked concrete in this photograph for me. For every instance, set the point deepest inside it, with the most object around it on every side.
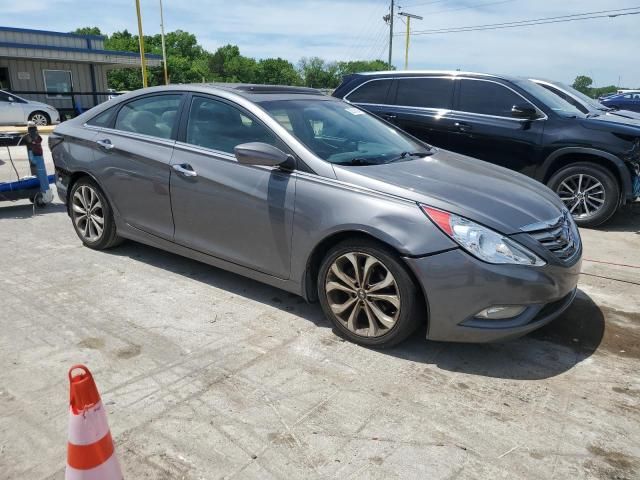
(206, 374)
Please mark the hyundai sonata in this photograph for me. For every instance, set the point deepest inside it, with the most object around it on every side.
(317, 197)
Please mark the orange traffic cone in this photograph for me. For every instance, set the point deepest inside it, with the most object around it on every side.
(90, 451)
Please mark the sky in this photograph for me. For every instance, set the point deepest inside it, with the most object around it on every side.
(605, 49)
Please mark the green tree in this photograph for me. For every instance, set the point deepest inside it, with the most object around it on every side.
(277, 71)
(87, 31)
(317, 73)
(583, 84)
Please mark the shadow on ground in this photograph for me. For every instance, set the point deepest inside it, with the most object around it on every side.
(548, 352)
(625, 220)
(26, 210)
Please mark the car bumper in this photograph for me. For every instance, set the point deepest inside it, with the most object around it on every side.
(457, 286)
(62, 184)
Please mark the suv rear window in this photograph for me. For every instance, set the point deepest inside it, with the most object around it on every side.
(425, 92)
(374, 91)
(487, 98)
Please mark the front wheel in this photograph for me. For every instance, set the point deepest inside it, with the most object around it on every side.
(590, 192)
(368, 294)
(41, 119)
(92, 215)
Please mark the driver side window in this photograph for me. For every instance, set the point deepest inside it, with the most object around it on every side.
(219, 126)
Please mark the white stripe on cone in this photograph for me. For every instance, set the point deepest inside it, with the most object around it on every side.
(88, 426)
(109, 470)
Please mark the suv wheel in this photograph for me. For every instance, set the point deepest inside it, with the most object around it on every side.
(367, 293)
(589, 191)
(92, 216)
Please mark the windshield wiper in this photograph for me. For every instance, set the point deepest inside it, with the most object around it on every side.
(404, 155)
(593, 115)
(358, 161)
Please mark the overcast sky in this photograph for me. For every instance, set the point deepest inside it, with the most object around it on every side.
(605, 49)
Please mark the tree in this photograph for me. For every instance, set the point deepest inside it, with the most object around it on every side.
(277, 71)
(583, 84)
(317, 73)
(87, 31)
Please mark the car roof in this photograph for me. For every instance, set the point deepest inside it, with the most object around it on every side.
(454, 73)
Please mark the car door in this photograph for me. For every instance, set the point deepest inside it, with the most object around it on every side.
(422, 107)
(132, 158)
(239, 213)
(10, 110)
(486, 129)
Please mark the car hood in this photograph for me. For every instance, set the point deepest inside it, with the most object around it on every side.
(612, 123)
(488, 194)
(628, 114)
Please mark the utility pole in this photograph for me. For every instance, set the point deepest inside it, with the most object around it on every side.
(164, 49)
(389, 19)
(141, 43)
(408, 16)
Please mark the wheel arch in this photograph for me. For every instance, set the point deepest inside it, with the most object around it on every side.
(33, 112)
(77, 175)
(566, 156)
(310, 278)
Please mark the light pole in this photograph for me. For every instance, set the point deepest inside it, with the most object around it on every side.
(141, 43)
(408, 16)
(389, 19)
(164, 49)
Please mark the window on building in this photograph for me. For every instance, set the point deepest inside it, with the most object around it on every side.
(5, 81)
(57, 82)
(154, 116)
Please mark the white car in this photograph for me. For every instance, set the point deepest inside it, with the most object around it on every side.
(15, 110)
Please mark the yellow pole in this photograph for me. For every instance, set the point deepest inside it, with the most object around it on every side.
(141, 42)
(406, 47)
(164, 48)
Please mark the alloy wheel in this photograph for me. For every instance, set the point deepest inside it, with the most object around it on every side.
(87, 212)
(582, 194)
(363, 294)
(39, 119)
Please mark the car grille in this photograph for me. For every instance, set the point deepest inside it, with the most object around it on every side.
(560, 238)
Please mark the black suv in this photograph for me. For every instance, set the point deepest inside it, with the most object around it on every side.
(592, 163)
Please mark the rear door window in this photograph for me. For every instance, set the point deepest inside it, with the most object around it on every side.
(425, 92)
(154, 116)
(487, 98)
(374, 91)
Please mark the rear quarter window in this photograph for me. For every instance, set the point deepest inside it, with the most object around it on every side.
(373, 91)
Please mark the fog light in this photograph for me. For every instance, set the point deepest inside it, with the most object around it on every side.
(500, 312)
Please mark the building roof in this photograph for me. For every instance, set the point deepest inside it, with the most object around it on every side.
(67, 47)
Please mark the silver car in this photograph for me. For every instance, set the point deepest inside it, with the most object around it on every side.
(315, 196)
(15, 110)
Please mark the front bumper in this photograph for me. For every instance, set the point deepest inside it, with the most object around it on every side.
(457, 286)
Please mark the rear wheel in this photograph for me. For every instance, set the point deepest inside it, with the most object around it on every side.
(368, 294)
(92, 215)
(590, 192)
(41, 119)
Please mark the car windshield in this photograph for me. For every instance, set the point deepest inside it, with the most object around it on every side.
(581, 96)
(550, 99)
(343, 134)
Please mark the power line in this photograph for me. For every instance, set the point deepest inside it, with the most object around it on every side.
(476, 5)
(534, 21)
(424, 3)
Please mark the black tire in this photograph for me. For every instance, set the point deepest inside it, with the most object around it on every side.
(46, 119)
(607, 180)
(411, 312)
(108, 237)
(38, 201)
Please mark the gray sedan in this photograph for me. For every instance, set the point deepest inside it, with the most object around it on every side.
(315, 196)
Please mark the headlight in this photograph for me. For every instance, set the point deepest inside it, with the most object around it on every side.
(482, 242)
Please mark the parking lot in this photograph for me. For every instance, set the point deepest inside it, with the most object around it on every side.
(207, 374)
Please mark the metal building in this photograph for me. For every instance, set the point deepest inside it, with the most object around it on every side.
(65, 70)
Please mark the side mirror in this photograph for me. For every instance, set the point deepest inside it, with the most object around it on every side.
(258, 153)
(525, 111)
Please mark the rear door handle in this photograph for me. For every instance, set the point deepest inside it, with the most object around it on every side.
(106, 144)
(463, 127)
(185, 169)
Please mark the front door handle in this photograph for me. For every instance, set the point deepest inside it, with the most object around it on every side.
(463, 127)
(106, 144)
(185, 169)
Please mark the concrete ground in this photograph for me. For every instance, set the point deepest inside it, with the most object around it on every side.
(209, 375)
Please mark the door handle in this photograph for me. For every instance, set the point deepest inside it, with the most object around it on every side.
(106, 144)
(185, 169)
(463, 127)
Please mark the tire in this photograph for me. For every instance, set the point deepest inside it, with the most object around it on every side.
(590, 192)
(41, 119)
(85, 192)
(402, 302)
